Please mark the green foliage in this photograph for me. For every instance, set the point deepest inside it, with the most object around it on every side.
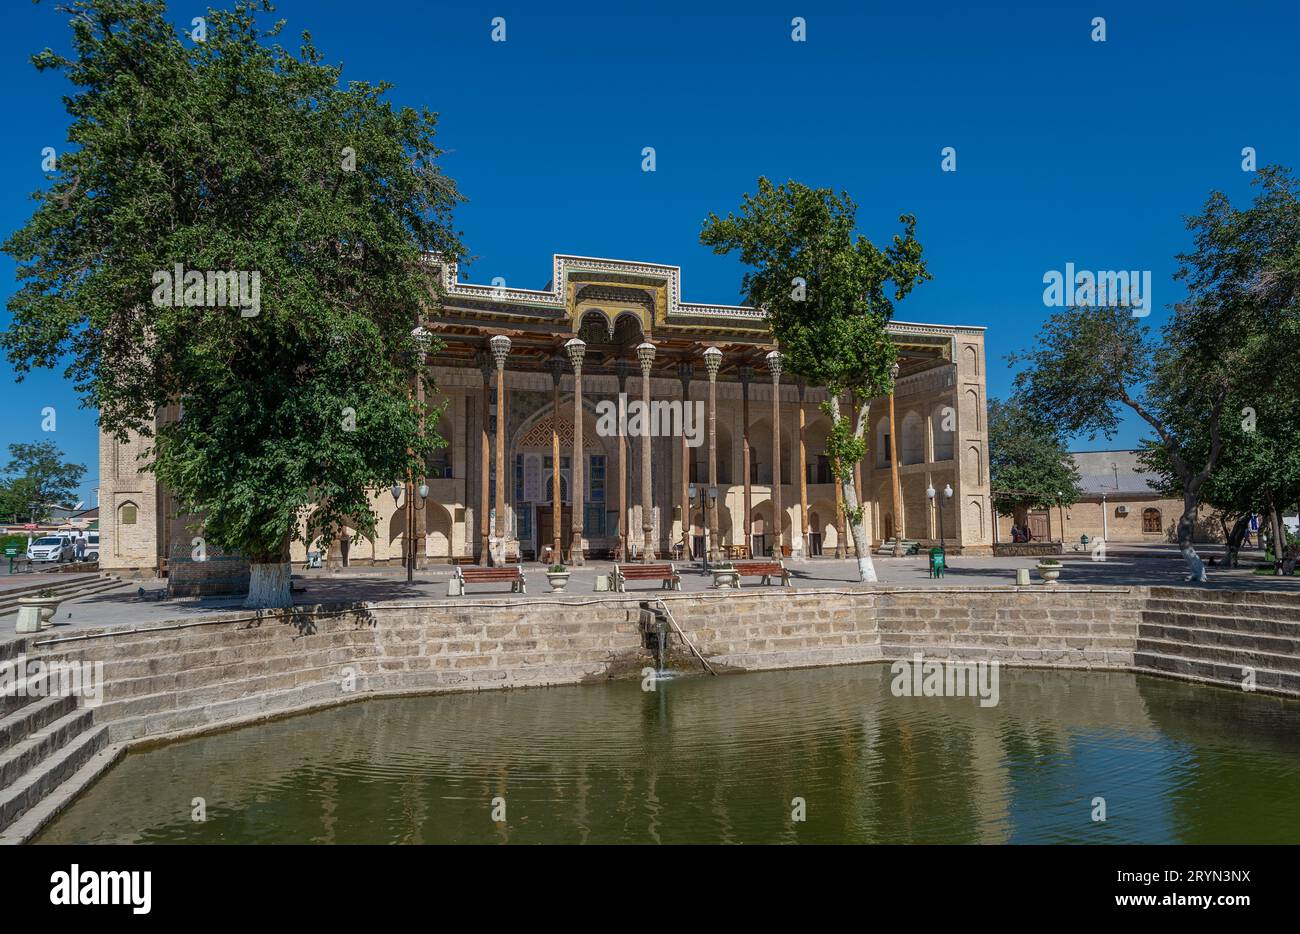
(1028, 460)
(13, 541)
(832, 335)
(232, 154)
(1215, 356)
(37, 474)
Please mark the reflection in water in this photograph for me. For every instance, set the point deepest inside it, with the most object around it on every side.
(721, 760)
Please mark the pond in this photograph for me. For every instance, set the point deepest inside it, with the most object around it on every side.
(733, 759)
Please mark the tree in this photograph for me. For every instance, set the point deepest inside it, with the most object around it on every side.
(827, 294)
(206, 169)
(1259, 470)
(36, 477)
(1029, 465)
(1221, 342)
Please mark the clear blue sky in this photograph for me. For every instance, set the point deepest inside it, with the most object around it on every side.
(1068, 150)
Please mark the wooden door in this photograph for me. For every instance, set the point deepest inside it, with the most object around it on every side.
(545, 527)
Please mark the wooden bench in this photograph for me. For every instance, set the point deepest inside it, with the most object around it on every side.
(766, 570)
(645, 572)
(499, 575)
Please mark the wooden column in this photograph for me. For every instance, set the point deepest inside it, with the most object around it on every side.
(645, 353)
(897, 488)
(620, 370)
(557, 509)
(712, 360)
(500, 350)
(803, 473)
(576, 349)
(485, 417)
(774, 365)
(684, 373)
(746, 374)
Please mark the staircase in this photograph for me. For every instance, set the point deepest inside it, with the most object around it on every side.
(886, 548)
(78, 585)
(45, 741)
(1212, 635)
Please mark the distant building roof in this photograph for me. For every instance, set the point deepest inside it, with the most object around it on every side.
(1113, 472)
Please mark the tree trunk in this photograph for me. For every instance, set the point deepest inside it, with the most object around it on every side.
(857, 528)
(1279, 535)
(854, 519)
(268, 581)
(1234, 538)
(1186, 527)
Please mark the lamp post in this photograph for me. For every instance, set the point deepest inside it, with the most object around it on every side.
(408, 558)
(947, 494)
(1060, 508)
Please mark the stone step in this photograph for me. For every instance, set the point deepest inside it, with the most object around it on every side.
(1228, 676)
(9, 597)
(34, 687)
(1278, 606)
(1265, 624)
(9, 601)
(32, 717)
(28, 753)
(49, 774)
(1236, 658)
(1225, 638)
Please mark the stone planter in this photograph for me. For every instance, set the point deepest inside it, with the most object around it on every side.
(725, 577)
(558, 580)
(35, 613)
(1049, 572)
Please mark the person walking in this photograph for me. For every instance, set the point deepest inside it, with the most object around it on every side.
(79, 545)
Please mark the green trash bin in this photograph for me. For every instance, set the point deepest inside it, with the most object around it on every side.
(937, 562)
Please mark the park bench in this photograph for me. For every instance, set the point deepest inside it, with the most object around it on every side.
(645, 572)
(766, 570)
(512, 573)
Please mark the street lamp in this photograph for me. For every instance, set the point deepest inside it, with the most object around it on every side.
(408, 558)
(947, 494)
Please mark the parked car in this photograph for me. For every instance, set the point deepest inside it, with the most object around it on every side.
(92, 546)
(50, 548)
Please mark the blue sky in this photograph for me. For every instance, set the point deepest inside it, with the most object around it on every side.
(1068, 150)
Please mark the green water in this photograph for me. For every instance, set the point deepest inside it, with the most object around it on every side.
(711, 760)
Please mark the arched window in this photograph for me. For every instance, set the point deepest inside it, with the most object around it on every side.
(1151, 520)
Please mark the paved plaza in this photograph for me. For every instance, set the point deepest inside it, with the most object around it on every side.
(1134, 565)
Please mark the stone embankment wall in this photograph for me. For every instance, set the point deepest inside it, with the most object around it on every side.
(193, 675)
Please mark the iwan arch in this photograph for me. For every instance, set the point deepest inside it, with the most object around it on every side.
(634, 334)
